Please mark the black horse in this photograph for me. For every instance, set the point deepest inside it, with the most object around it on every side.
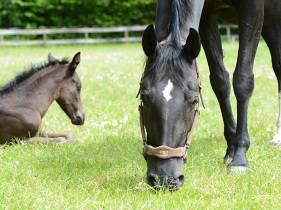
(170, 87)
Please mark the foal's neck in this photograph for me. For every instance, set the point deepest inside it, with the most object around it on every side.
(38, 91)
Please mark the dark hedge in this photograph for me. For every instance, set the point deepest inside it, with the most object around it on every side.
(69, 13)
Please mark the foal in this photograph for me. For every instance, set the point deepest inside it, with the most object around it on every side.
(25, 100)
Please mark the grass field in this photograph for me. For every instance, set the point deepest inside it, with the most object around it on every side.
(105, 169)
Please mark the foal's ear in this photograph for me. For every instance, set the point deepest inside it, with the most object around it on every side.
(149, 41)
(51, 58)
(74, 63)
(193, 44)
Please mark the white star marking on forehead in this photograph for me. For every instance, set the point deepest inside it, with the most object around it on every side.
(167, 91)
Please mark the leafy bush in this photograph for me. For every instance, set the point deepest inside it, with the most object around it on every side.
(67, 13)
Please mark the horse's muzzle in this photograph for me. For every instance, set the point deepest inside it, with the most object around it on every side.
(79, 120)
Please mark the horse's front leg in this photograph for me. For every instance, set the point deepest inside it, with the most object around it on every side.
(219, 77)
(251, 14)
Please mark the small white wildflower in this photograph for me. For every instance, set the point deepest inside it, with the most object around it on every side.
(99, 77)
(114, 122)
(46, 123)
(126, 118)
(88, 130)
(17, 162)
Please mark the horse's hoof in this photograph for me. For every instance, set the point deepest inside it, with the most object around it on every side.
(276, 142)
(227, 160)
(237, 169)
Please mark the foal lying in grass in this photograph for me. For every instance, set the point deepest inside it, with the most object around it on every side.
(25, 100)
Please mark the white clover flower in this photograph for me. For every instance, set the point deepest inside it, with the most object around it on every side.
(114, 122)
(99, 77)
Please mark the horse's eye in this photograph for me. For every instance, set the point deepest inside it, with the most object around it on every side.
(78, 88)
(195, 101)
(144, 95)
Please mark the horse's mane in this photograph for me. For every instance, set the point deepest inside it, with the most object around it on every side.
(173, 57)
(27, 73)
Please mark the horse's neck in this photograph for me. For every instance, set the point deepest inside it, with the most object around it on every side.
(38, 91)
(163, 16)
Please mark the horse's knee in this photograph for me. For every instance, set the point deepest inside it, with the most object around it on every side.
(221, 85)
(243, 86)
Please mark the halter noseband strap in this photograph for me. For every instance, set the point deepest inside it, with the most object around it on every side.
(165, 152)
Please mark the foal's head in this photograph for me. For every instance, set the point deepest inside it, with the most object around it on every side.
(68, 95)
(169, 93)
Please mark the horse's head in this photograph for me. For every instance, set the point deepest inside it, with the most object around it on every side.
(169, 94)
(68, 95)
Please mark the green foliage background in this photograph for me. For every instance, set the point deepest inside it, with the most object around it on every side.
(67, 13)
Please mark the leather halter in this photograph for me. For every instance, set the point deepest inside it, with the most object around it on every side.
(163, 151)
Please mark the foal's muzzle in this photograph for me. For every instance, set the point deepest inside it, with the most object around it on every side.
(79, 120)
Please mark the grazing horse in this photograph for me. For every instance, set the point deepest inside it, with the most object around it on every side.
(170, 88)
(25, 100)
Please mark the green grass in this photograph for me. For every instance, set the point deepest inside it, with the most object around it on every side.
(105, 169)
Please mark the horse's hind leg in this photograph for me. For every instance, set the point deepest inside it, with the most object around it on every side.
(272, 37)
(219, 77)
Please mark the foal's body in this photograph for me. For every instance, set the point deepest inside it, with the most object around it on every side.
(24, 103)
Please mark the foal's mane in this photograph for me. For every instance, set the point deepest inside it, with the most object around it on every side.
(171, 54)
(33, 69)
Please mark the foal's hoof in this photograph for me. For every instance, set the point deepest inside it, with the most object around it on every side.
(70, 136)
(237, 169)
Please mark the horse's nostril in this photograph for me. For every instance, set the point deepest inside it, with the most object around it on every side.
(181, 180)
(153, 181)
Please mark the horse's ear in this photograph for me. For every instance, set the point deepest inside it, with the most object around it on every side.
(149, 41)
(193, 44)
(74, 63)
(51, 58)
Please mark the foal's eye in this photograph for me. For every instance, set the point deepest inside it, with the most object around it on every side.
(78, 88)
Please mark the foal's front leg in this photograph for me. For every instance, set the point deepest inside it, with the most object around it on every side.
(46, 137)
(67, 136)
(251, 13)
